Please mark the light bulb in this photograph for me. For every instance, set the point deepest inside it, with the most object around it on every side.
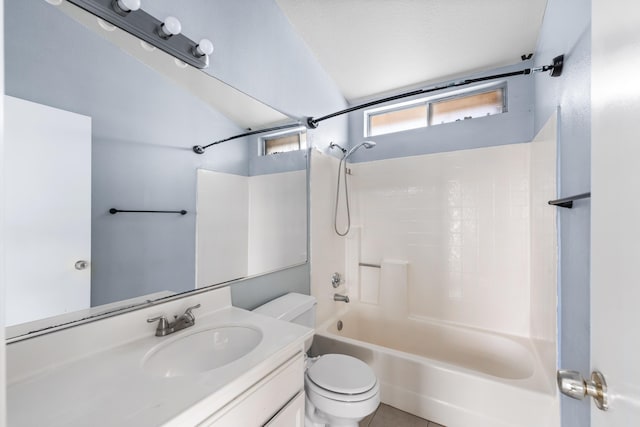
(205, 47)
(170, 27)
(126, 6)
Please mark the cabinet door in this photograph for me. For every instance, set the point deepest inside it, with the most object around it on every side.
(291, 415)
(265, 399)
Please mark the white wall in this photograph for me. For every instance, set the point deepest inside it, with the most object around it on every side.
(221, 227)
(249, 225)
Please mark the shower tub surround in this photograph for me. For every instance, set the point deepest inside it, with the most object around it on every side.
(455, 307)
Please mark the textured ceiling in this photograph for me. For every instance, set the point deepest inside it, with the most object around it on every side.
(373, 46)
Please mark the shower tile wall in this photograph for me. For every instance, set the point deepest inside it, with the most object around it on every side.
(461, 221)
(544, 244)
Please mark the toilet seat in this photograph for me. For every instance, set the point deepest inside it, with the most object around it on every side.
(342, 378)
(313, 389)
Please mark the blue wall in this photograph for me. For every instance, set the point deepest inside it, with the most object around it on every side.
(142, 130)
(567, 29)
(514, 126)
(141, 152)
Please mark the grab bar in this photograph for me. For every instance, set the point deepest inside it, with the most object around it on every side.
(567, 202)
(364, 264)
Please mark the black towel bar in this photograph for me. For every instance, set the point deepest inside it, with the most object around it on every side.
(567, 202)
(114, 211)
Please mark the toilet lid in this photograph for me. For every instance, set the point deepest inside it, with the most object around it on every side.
(342, 374)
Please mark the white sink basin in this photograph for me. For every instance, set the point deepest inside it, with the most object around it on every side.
(201, 351)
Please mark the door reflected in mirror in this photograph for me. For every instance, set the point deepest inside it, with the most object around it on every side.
(94, 125)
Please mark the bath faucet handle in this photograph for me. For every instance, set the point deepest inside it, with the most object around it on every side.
(336, 279)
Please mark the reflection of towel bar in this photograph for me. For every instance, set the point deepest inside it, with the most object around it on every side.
(114, 211)
(364, 264)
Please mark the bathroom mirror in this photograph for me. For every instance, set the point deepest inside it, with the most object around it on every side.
(104, 121)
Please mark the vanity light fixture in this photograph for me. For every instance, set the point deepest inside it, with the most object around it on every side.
(124, 7)
(204, 48)
(170, 27)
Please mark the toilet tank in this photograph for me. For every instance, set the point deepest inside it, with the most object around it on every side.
(292, 307)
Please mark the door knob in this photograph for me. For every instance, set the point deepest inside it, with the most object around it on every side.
(573, 385)
(81, 265)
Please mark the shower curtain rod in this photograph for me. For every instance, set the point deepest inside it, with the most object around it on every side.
(199, 149)
(311, 123)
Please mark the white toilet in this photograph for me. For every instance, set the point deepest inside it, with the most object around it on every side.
(340, 390)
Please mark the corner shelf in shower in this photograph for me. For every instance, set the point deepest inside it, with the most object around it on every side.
(567, 202)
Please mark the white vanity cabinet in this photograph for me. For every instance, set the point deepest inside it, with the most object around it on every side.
(276, 400)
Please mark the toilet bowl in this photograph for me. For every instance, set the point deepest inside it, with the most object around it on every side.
(340, 390)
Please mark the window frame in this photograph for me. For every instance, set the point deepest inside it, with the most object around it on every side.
(456, 94)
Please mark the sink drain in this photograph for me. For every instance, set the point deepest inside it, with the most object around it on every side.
(340, 325)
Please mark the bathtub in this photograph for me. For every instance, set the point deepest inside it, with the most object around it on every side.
(453, 375)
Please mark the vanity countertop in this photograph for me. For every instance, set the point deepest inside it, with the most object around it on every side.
(110, 387)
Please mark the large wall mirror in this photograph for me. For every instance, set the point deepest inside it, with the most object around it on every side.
(97, 120)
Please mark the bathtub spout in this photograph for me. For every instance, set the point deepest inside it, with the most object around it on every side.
(342, 298)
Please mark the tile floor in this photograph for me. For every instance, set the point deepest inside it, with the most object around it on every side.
(388, 416)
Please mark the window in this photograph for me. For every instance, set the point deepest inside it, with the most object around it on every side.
(285, 141)
(434, 111)
(398, 120)
(466, 107)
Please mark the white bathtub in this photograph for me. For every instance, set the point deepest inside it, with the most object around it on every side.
(455, 376)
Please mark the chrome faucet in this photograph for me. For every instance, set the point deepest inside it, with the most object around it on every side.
(184, 321)
(341, 298)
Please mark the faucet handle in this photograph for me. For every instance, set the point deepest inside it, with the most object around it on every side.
(163, 325)
(336, 279)
(188, 312)
(162, 320)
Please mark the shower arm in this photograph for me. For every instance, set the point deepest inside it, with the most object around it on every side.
(555, 70)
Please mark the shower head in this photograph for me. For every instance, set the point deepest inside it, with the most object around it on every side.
(365, 144)
(369, 144)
